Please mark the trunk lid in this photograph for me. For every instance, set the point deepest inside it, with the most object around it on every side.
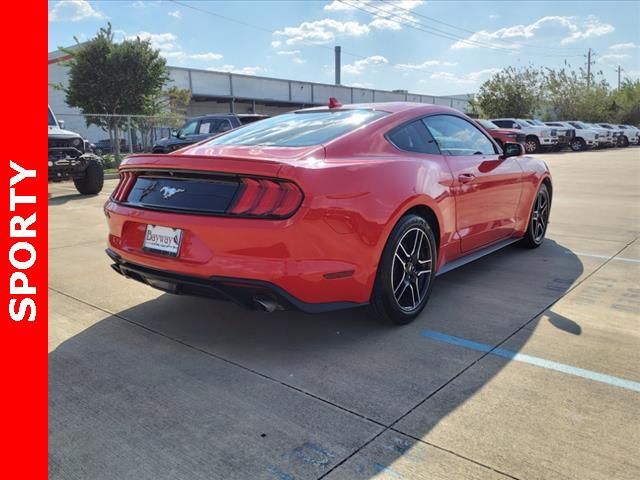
(201, 180)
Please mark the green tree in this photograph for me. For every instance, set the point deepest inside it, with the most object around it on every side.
(568, 95)
(512, 92)
(167, 108)
(112, 78)
(624, 103)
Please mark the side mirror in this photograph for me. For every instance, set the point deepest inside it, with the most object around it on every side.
(61, 123)
(512, 150)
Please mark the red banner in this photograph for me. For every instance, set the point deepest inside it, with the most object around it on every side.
(23, 327)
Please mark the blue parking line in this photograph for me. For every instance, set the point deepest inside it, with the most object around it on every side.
(537, 361)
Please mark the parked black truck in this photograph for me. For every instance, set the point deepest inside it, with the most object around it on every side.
(71, 158)
(201, 128)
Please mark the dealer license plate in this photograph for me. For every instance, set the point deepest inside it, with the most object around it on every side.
(162, 240)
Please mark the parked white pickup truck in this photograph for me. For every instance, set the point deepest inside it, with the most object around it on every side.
(536, 136)
(632, 133)
(620, 139)
(585, 136)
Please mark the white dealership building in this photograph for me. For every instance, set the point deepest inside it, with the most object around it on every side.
(225, 92)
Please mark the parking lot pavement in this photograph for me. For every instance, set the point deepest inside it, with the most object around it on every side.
(148, 385)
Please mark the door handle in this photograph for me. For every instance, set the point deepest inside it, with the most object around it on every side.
(466, 177)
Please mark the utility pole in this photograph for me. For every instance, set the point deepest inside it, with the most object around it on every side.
(619, 71)
(589, 63)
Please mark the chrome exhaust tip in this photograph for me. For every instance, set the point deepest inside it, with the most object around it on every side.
(267, 304)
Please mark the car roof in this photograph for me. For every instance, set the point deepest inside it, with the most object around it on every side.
(227, 115)
(390, 107)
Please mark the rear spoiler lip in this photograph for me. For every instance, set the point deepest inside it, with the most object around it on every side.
(262, 164)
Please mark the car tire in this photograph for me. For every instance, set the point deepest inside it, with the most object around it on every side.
(406, 272)
(92, 181)
(532, 145)
(578, 145)
(538, 219)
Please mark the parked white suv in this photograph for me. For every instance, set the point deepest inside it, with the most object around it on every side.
(632, 133)
(585, 136)
(536, 136)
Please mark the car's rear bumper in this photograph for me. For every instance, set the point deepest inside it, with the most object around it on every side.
(334, 267)
(251, 293)
(548, 140)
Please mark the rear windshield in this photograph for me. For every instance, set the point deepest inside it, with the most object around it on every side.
(52, 120)
(298, 129)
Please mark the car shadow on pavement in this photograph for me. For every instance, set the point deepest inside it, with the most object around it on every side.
(183, 387)
(62, 199)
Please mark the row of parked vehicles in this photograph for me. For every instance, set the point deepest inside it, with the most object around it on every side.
(72, 157)
(538, 136)
(535, 135)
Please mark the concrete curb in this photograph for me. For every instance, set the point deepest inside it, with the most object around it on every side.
(111, 176)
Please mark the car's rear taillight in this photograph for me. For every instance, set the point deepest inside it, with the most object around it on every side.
(266, 198)
(127, 179)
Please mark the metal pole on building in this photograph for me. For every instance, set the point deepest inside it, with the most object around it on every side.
(130, 134)
(338, 66)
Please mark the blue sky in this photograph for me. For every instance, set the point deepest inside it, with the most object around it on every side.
(426, 47)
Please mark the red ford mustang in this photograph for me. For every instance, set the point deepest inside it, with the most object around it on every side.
(326, 208)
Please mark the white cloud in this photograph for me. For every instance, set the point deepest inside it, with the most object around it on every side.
(357, 67)
(551, 25)
(387, 15)
(467, 79)
(385, 24)
(167, 43)
(337, 6)
(592, 28)
(322, 31)
(176, 14)
(294, 54)
(623, 46)
(613, 59)
(74, 11)
(161, 41)
(276, 43)
(493, 16)
(426, 65)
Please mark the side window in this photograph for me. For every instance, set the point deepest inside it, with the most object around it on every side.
(221, 126)
(503, 123)
(456, 137)
(414, 137)
(205, 127)
(189, 128)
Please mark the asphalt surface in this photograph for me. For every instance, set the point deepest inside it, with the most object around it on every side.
(525, 364)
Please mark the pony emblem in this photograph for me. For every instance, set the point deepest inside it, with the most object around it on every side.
(168, 192)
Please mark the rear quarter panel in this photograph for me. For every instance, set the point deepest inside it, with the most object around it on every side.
(361, 198)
